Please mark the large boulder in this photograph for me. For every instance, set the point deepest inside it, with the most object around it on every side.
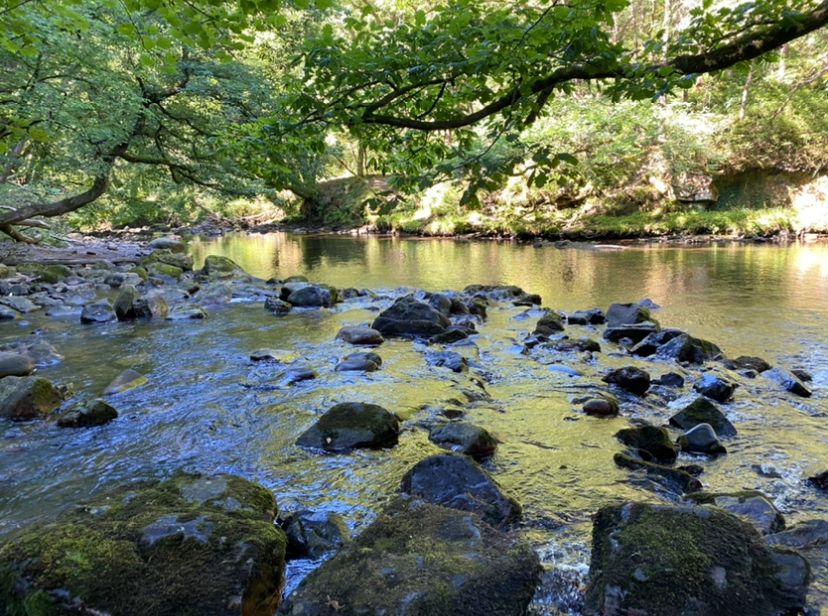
(409, 317)
(703, 411)
(27, 397)
(422, 560)
(353, 425)
(664, 560)
(189, 545)
(458, 482)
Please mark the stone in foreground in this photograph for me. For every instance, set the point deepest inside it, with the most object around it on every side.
(353, 425)
(422, 560)
(458, 482)
(688, 561)
(189, 545)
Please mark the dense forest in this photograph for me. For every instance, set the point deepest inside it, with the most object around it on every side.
(587, 117)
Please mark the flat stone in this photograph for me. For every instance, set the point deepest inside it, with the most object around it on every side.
(364, 336)
(100, 312)
(128, 379)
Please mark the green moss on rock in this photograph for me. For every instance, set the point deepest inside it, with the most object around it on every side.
(27, 397)
(50, 273)
(190, 545)
(682, 561)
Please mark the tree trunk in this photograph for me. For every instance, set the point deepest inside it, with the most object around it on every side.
(746, 93)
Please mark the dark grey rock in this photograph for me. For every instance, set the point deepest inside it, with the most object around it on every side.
(465, 438)
(702, 411)
(353, 425)
(788, 381)
(716, 387)
(95, 413)
(100, 312)
(686, 348)
(409, 317)
(313, 534)
(701, 438)
(359, 362)
(630, 378)
(652, 443)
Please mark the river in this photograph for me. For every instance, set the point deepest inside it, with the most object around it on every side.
(208, 408)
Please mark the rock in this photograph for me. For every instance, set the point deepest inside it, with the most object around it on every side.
(314, 534)
(440, 302)
(168, 243)
(802, 375)
(129, 305)
(123, 304)
(296, 278)
(527, 299)
(701, 439)
(663, 560)
(100, 312)
(164, 270)
(50, 274)
(633, 333)
(15, 364)
(422, 559)
(627, 314)
(364, 336)
(568, 345)
(313, 296)
(753, 507)
(188, 545)
(169, 258)
(629, 378)
(674, 479)
(649, 345)
(278, 355)
(650, 442)
(353, 425)
(7, 314)
(603, 406)
(670, 379)
(359, 362)
(450, 336)
(183, 313)
(465, 438)
(128, 379)
(746, 362)
(686, 348)
(218, 266)
(448, 359)
(496, 292)
(715, 387)
(820, 480)
(703, 411)
(297, 375)
(96, 413)
(277, 306)
(593, 316)
(27, 397)
(788, 381)
(19, 304)
(458, 482)
(39, 351)
(409, 317)
(548, 324)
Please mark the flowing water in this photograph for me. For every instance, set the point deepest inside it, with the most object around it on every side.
(208, 408)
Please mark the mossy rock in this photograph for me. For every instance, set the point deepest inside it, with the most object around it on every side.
(683, 561)
(167, 257)
(216, 265)
(45, 272)
(164, 269)
(422, 560)
(141, 272)
(188, 546)
(27, 397)
(6, 271)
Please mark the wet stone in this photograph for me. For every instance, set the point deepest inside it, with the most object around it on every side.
(15, 364)
(753, 507)
(352, 425)
(409, 317)
(465, 438)
(363, 336)
(715, 387)
(100, 312)
(701, 439)
(359, 362)
(675, 480)
(186, 313)
(277, 306)
(128, 379)
(313, 534)
(27, 397)
(651, 442)
(702, 411)
(95, 413)
(603, 406)
(788, 381)
(630, 378)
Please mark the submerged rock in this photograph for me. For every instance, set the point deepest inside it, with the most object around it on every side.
(570, 345)
(458, 482)
(422, 559)
(313, 534)
(96, 413)
(359, 362)
(604, 405)
(188, 545)
(363, 336)
(466, 438)
(353, 425)
(27, 397)
(183, 312)
(277, 355)
(753, 507)
(650, 442)
(409, 317)
(819, 480)
(632, 379)
(448, 359)
(788, 381)
(715, 387)
(128, 379)
(687, 561)
(746, 362)
(686, 348)
(701, 438)
(703, 411)
(674, 479)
